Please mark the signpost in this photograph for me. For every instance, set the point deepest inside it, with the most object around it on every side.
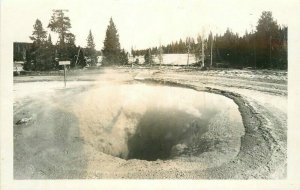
(64, 63)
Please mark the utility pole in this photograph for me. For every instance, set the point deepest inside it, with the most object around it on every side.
(188, 50)
(211, 50)
(132, 57)
(254, 51)
(202, 52)
(160, 55)
(65, 82)
(270, 50)
(150, 61)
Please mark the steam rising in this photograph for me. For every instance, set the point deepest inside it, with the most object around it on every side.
(149, 122)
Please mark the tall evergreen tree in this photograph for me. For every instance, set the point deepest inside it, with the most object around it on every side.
(81, 61)
(49, 55)
(281, 45)
(49, 40)
(148, 57)
(39, 34)
(71, 50)
(90, 49)
(111, 50)
(61, 24)
(124, 57)
(267, 31)
(133, 53)
(38, 58)
(90, 41)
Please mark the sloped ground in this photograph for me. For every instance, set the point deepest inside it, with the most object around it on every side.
(262, 95)
(59, 138)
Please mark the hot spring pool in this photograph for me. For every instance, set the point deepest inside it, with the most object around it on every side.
(150, 122)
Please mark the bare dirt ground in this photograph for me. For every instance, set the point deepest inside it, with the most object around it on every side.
(55, 137)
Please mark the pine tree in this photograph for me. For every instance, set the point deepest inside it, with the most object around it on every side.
(61, 24)
(267, 31)
(39, 34)
(124, 57)
(90, 49)
(49, 40)
(48, 55)
(90, 41)
(35, 59)
(81, 60)
(148, 57)
(111, 50)
(70, 49)
(133, 53)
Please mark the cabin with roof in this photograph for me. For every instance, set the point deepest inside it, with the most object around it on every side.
(19, 56)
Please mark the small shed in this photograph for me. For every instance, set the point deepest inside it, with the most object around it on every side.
(18, 66)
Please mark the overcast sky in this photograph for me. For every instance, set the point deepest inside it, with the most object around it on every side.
(142, 23)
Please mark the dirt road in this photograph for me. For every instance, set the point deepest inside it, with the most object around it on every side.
(54, 137)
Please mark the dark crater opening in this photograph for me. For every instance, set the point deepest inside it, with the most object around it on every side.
(161, 133)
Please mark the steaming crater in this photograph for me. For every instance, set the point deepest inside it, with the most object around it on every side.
(147, 122)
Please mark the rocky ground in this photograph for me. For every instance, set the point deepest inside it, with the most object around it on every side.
(54, 137)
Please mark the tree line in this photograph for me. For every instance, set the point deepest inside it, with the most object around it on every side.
(264, 48)
(44, 55)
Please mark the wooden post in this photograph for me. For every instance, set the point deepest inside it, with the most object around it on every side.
(64, 63)
(65, 76)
